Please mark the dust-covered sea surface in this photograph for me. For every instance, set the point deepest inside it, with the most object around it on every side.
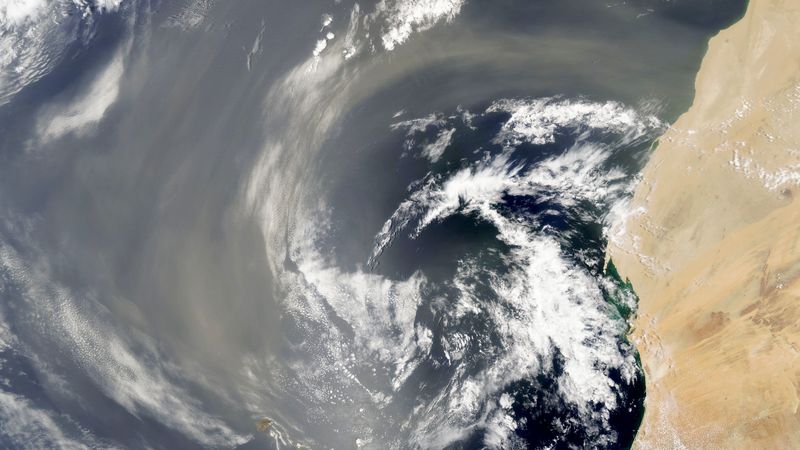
(270, 224)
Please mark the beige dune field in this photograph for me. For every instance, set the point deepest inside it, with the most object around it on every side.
(712, 247)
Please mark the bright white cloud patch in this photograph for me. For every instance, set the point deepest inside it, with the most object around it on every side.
(405, 17)
(16, 12)
(109, 5)
(361, 338)
(34, 34)
(537, 121)
(545, 306)
(434, 150)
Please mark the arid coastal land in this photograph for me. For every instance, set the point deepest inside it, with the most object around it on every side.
(712, 247)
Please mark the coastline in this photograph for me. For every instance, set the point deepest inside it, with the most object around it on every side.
(713, 250)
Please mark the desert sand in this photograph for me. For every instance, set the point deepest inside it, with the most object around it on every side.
(712, 247)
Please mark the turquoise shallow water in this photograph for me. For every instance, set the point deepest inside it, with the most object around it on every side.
(377, 225)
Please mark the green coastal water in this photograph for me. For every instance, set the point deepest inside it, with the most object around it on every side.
(377, 225)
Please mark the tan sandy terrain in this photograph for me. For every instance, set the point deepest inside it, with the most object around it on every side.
(712, 247)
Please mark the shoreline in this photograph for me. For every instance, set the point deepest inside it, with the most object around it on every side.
(711, 248)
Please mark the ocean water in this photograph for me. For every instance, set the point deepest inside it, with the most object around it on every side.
(357, 225)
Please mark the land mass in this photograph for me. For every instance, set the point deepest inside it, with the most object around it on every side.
(712, 247)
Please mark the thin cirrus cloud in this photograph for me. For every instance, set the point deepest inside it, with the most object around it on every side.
(145, 385)
(35, 35)
(31, 427)
(81, 115)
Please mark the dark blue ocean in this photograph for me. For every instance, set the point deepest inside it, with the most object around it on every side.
(328, 224)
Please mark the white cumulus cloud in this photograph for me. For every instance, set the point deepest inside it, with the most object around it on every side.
(405, 17)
